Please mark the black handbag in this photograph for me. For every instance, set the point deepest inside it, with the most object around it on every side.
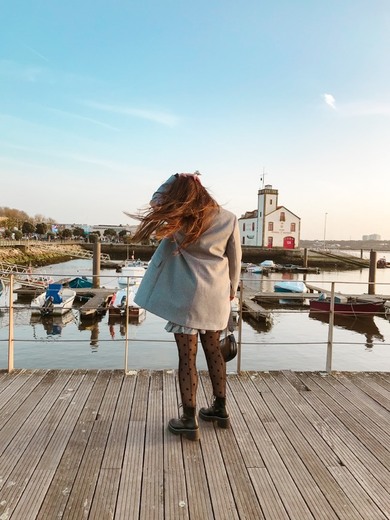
(228, 343)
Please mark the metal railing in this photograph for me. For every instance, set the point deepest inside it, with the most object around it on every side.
(12, 279)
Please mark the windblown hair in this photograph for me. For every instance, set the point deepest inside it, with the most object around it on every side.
(186, 207)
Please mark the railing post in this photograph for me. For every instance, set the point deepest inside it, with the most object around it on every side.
(329, 351)
(127, 327)
(239, 327)
(11, 325)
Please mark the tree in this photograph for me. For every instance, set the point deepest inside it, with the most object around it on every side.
(27, 228)
(65, 233)
(78, 232)
(110, 233)
(41, 228)
(18, 235)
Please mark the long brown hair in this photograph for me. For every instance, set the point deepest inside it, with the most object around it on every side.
(186, 206)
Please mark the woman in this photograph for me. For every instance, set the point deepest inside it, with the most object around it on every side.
(190, 281)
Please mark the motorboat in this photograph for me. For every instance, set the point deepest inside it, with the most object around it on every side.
(253, 268)
(80, 282)
(118, 305)
(290, 286)
(347, 306)
(132, 273)
(56, 300)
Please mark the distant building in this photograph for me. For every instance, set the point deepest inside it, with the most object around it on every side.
(371, 237)
(270, 225)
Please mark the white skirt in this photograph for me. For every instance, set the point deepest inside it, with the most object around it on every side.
(181, 329)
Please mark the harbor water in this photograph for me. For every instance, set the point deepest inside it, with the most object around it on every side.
(293, 340)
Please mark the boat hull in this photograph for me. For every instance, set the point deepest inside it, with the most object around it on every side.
(348, 308)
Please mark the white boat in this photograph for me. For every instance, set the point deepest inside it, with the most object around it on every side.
(268, 264)
(118, 306)
(56, 300)
(290, 286)
(253, 268)
(132, 273)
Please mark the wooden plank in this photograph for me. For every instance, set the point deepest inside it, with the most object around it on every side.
(34, 436)
(175, 489)
(224, 502)
(95, 444)
(152, 496)
(81, 495)
(105, 497)
(256, 420)
(353, 454)
(316, 454)
(128, 503)
(301, 462)
(71, 437)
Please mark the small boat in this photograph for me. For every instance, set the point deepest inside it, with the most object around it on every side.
(382, 263)
(348, 306)
(132, 273)
(56, 300)
(80, 282)
(268, 264)
(118, 305)
(253, 268)
(290, 286)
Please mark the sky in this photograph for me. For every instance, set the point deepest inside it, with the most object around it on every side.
(102, 100)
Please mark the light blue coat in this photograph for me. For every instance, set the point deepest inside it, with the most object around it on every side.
(192, 287)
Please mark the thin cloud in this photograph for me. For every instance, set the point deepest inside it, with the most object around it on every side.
(36, 53)
(330, 101)
(14, 70)
(163, 118)
(366, 108)
(81, 118)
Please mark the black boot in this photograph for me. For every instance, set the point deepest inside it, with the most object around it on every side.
(187, 425)
(216, 412)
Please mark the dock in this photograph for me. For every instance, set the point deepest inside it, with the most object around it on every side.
(95, 445)
(97, 301)
(251, 308)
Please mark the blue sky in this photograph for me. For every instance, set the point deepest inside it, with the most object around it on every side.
(101, 101)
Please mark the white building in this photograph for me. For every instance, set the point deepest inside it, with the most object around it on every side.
(270, 225)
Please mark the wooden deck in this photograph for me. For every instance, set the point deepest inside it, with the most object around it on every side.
(94, 445)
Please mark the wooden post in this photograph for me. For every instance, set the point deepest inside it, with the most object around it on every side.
(372, 272)
(305, 257)
(96, 264)
(11, 325)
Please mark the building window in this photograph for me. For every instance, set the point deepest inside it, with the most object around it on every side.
(270, 226)
(243, 226)
(292, 227)
(282, 216)
(253, 226)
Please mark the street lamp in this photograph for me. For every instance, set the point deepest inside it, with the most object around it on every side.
(326, 215)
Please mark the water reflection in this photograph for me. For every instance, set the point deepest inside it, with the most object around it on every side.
(52, 325)
(362, 325)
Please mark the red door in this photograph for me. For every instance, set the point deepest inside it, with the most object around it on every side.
(289, 243)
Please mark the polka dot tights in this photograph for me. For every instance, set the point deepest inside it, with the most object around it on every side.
(187, 345)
